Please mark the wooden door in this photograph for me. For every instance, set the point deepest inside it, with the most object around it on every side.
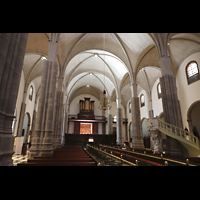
(95, 128)
(76, 127)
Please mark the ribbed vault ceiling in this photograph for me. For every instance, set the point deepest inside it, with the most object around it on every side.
(83, 60)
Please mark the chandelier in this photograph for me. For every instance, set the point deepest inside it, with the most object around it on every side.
(104, 103)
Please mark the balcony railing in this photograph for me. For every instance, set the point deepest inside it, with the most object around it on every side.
(125, 120)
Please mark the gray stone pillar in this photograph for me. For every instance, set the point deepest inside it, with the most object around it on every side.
(21, 118)
(120, 138)
(110, 124)
(103, 124)
(12, 53)
(58, 113)
(151, 113)
(171, 107)
(34, 151)
(47, 141)
(137, 141)
(42, 141)
(66, 118)
(33, 123)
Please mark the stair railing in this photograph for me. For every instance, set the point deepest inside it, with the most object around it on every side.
(174, 130)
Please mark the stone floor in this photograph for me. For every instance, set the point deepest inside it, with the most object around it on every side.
(17, 158)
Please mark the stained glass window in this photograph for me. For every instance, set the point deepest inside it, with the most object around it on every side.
(192, 72)
(142, 100)
(192, 69)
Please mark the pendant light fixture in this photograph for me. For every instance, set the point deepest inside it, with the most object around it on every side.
(104, 103)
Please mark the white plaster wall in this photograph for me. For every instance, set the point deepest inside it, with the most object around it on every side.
(74, 110)
(156, 103)
(30, 104)
(74, 106)
(187, 94)
(144, 111)
(71, 128)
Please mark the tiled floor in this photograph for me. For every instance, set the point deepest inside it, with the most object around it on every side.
(19, 159)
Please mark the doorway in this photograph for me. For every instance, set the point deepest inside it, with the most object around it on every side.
(26, 126)
(193, 118)
(85, 128)
(25, 132)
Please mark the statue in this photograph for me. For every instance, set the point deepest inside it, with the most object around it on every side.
(155, 135)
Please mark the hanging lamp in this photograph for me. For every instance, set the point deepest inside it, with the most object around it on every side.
(104, 103)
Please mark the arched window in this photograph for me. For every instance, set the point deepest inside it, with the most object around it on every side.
(129, 106)
(115, 118)
(142, 100)
(192, 72)
(159, 91)
(31, 93)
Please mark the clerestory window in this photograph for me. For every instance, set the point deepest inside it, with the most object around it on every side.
(142, 100)
(192, 72)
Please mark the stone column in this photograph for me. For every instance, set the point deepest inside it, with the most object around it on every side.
(37, 133)
(151, 113)
(42, 142)
(110, 123)
(137, 141)
(65, 122)
(171, 107)
(58, 120)
(47, 142)
(103, 124)
(22, 114)
(126, 126)
(33, 123)
(66, 118)
(120, 138)
(12, 53)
